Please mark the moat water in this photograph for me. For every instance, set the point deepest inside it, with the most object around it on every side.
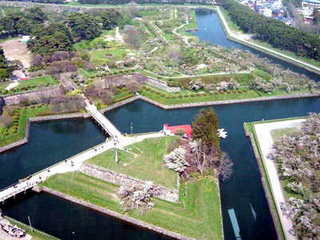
(56, 140)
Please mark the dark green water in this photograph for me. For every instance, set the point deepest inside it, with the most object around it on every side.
(54, 141)
(49, 143)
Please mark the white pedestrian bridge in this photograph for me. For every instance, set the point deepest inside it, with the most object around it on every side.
(102, 120)
(73, 163)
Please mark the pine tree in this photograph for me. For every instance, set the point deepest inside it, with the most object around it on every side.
(205, 128)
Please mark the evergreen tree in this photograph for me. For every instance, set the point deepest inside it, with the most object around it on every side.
(205, 129)
(4, 68)
(83, 26)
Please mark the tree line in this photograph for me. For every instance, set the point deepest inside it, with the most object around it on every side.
(5, 69)
(272, 31)
(48, 36)
(42, 1)
(143, 1)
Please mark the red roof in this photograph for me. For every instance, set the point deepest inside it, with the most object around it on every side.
(187, 129)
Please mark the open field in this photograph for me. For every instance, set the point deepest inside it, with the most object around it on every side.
(142, 160)
(278, 133)
(197, 215)
(203, 96)
(31, 84)
(14, 49)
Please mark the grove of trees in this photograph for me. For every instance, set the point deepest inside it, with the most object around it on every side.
(297, 157)
(144, 1)
(272, 31)
(22, 22)
(50, 36)
(43, 1)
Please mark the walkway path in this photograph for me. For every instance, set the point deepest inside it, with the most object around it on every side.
(265, 141)
(184, 38)
(103, 121)
(71, 164)
(92, 109)
(197, 75)
(12, 85)
(118, 37)
(238, 37)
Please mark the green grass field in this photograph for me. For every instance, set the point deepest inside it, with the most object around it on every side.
(144, 160)
(278, 133)
(187, 96)
(30, 84)
(16, 130)
(197, 215)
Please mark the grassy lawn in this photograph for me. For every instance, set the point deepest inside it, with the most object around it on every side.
(195, 97)
(30, 84)
(16, 130)
(278, 133)
(230, 23)
(144, 160)
(3, 85)
(197, 215)
(36, 234)
(262, 74)
(37, 82)
(103, 56)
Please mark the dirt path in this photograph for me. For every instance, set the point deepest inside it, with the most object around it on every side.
(118, 36)
(184, 38)
(12, 85)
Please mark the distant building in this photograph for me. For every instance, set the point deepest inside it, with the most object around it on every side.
(311, 4)
(267, 12)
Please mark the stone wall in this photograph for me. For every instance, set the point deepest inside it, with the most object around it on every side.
(171, 195)
(120, 216)
(34, 94)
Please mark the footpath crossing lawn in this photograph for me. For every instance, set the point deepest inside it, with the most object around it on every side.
(197, 214)
(143, 160)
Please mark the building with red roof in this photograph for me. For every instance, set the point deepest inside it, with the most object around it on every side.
(186, 129)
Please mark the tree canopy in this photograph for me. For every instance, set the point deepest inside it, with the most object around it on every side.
(49, 36)
(22, 22)
(275, 32)
(83, 26)
(205, 128)
(4, 67)
(47, 40)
